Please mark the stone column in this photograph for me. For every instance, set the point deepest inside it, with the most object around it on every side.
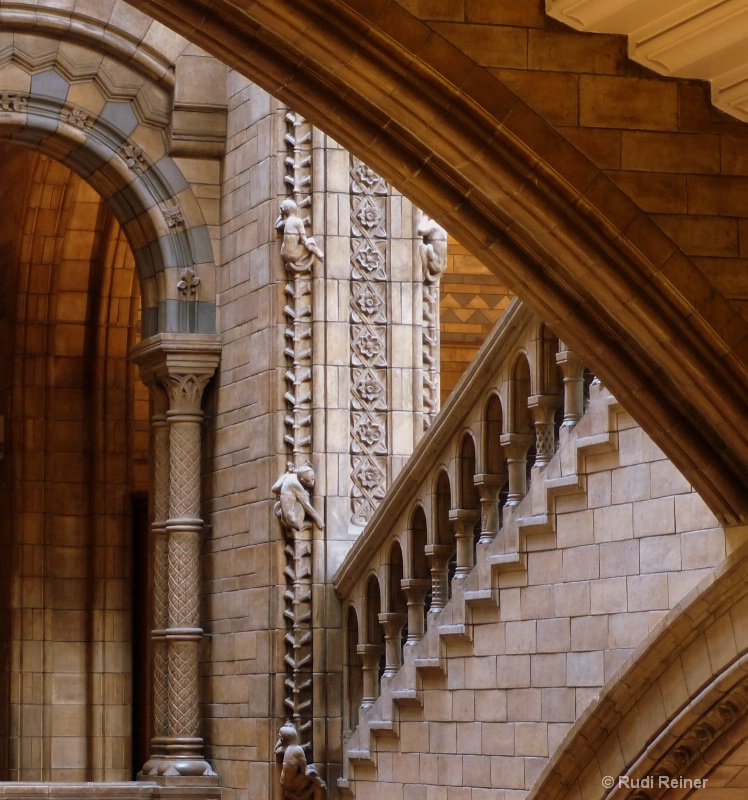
(516, 446)
(183, 364)
(543, 409)
(573, 372)
(160, 484)
(463, 524)
(392, 622)
(371, 655)
(415, 593)
(438, 556)
(489, 487)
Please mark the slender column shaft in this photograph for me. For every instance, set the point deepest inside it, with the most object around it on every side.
(184, 527)
(393, 623)
(489, 487)
(516, 446)
(371, 655)
(438, 556)
(415, 593)
(573, 372)
(463, 524)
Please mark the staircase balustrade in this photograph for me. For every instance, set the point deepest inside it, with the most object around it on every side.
(508, 408)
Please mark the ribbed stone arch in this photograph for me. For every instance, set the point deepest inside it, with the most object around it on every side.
(103, 140)
(516, 193)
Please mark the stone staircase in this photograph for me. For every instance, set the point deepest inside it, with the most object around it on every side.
(436, 664)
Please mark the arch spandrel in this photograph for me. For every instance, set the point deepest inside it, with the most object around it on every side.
(512, 190)
(89, 116)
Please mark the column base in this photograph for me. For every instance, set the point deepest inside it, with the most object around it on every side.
(179, 759)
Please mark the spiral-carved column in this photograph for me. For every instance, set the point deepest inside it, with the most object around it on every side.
(182, 364)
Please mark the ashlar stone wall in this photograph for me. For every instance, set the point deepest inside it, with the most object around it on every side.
(626, 549)
(321, 363)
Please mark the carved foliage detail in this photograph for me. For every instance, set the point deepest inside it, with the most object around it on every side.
(13, 102)
(433, 254)
(300, 255)
(368, 340)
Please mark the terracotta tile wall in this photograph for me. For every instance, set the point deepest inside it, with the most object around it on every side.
(472, 300)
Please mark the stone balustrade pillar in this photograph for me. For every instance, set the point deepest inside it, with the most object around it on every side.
(438, 556)
(573, 371)
(463, 524)
(489, 488)
(182, 364)
(371, 655)
(415, 590)
(516, 446)
(543, 409)
(392, 623)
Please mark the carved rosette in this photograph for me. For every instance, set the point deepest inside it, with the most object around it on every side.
(369, 403)
(298, 693)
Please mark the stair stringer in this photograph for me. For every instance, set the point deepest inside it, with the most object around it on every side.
(499, 564)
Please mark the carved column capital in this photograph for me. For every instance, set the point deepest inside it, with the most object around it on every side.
(182, 363)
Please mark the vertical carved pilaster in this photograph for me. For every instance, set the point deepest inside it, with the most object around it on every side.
(369, 299)
(182, 364)
(433, 254)
(301, 257)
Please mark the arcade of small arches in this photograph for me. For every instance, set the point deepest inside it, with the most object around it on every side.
(399, 579)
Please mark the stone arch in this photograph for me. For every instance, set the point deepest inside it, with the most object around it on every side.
(683, 692)
(435, 123)
(111, 133)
